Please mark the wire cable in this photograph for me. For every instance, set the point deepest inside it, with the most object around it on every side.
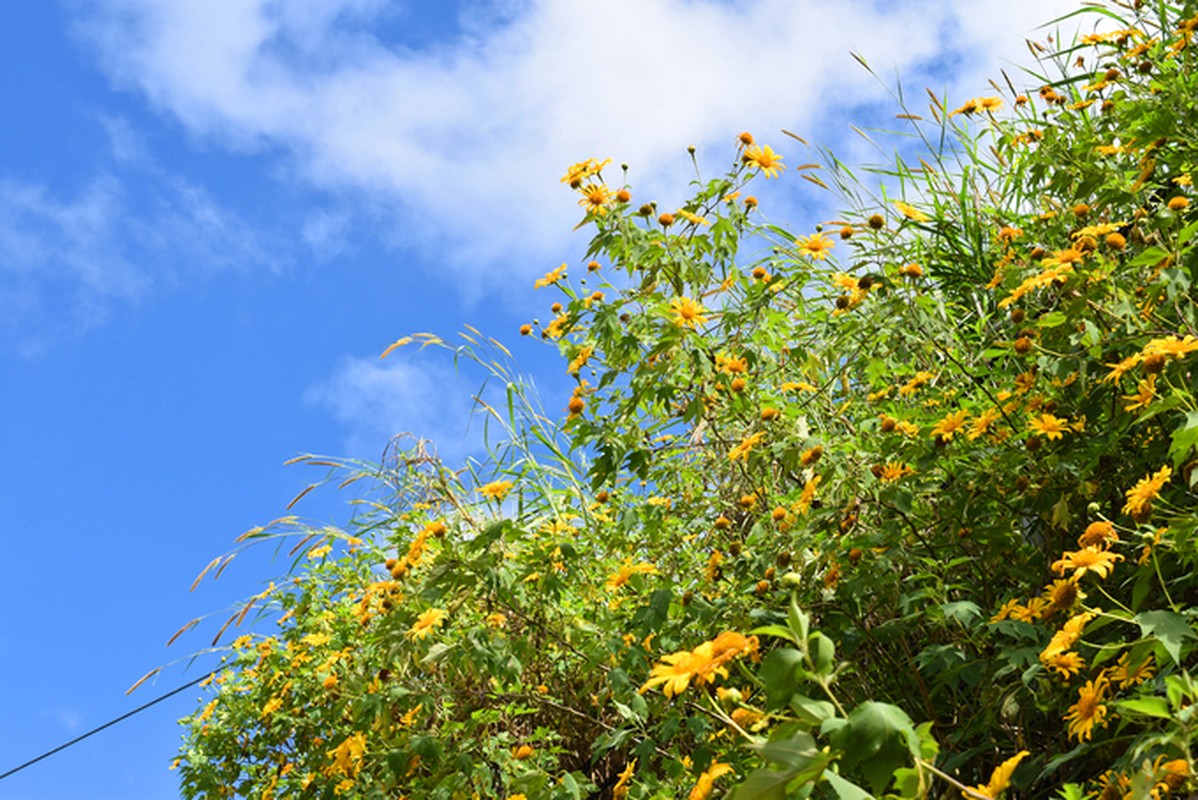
(108, 724)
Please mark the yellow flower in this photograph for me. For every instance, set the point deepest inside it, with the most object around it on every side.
(978, 104)
(427, 622)
(687, 313)
(948, 426)
(620, 790)
(1088, 711)
(1145, 394)
(1000, 777)
(1065, 664)
(579, 172)
(815, 246)
(1145, 491)
(580, 360)
(1061, 595)
(1007, 610)
(895, 471)
(1034, 609)
(1129, 676)
(1171, 346)
(912, 386)
(347, 756)
(1088, 559)
(694, 219)
(911, 212)
(496, 490)
(272, 705)
(808, 495)
(677, 670)
(703, 788)
(551, 277)
(731, 364)
(982, 423)
(1067, 636)
(621, 576)
(1098, 534)
(1049, 426)
(765, 159)
(595, 198)
(742, 450)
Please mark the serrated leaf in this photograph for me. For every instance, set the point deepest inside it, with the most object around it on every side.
(1169, 628)
(1184, 438)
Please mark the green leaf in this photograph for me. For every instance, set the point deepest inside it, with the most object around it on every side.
(775, 630)
(1150, 706)
(846, 790)
(781, 672)
(764, 784)
(794, 751)
(1169, 628)
(1184, 438)
(877, 739)
(812, 711)
(963, 611)
(1052, 319)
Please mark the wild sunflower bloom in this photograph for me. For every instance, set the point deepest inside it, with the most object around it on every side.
(624, 574)
(816, 246)
(1127, 675)
(427, 622)
(1067, 636)
(1088, 559)
(1118, 370)
(911, 212)
(1007, 610)
(687, 313)
(949, 426)
(1049, 426)
(731, 365)
(1000, 778)
(741, 451)
(895, 471)
(982, 423)
(1171, 347)
(808, 495)
(620, 790)
(1062, 594)
(1098, 534)
(1144, 395)
(595, 198)
(347, 756)
(706, 783)
(676, 671)
(579, 172)
(765, 159)
(551, 277)
(1065, 664)
(495, 490)
(1088, 711)
(1145, 491)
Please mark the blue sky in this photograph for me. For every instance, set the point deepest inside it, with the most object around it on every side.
(215, 214)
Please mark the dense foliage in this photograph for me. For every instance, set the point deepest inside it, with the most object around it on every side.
(899, 505)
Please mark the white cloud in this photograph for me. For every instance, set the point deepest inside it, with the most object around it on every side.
(376, 400)
(67, 261)
(468, 135)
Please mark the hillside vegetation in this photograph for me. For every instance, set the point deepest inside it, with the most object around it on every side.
(897, 505)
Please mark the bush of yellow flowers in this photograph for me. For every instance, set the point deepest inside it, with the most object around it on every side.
(900, 505)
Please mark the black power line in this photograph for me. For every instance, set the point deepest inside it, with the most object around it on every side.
(108, 724)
